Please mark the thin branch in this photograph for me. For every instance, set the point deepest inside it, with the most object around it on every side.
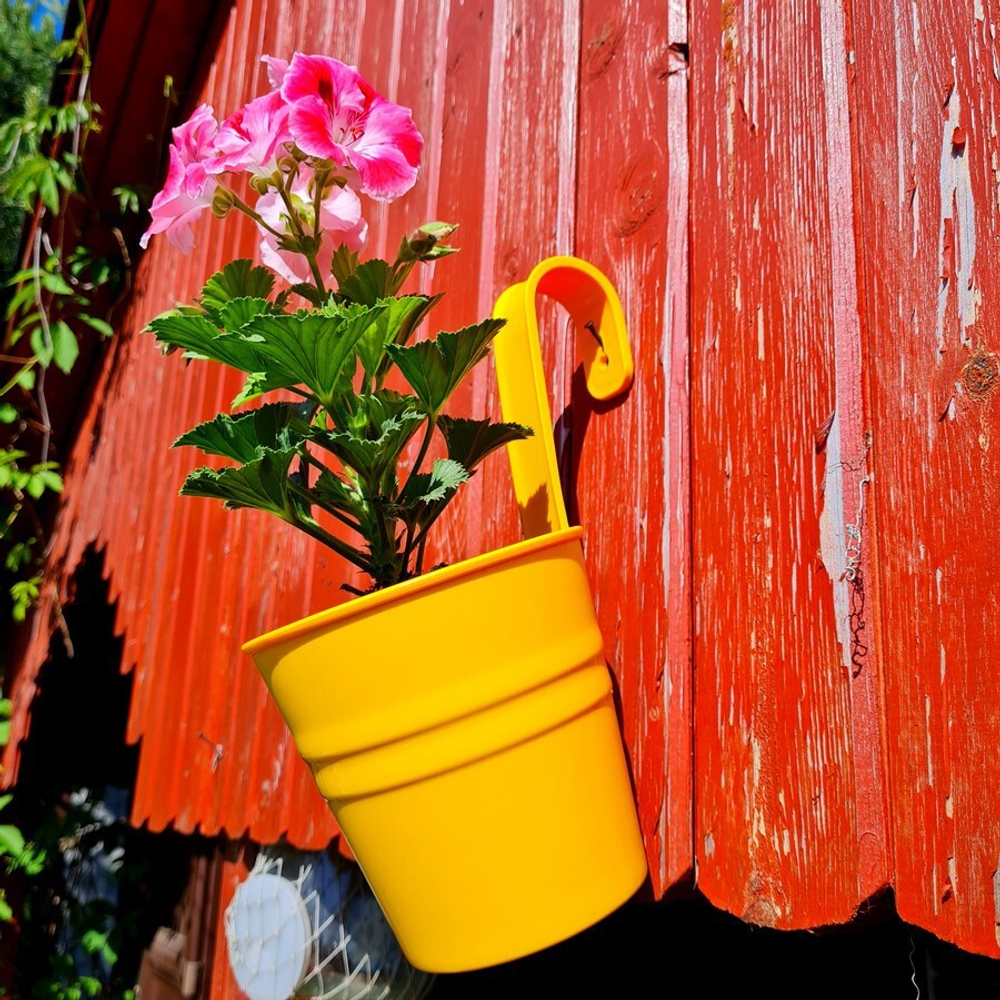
(47, 333)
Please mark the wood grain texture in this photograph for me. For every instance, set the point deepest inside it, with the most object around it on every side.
(927, 96)
(629, 462)
(789, 820)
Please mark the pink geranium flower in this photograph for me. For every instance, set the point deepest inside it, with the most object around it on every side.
(336, 115)
(189, 189)
(252, 139)
(340, 223)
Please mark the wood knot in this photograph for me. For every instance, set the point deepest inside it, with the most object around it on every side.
(981, 375)
(601, 49)
(638, 194)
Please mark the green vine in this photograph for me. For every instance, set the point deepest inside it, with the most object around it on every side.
(61, 293)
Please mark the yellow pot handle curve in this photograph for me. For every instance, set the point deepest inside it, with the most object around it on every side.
(602, 343)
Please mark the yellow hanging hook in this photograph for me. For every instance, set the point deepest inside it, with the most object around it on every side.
(602, 342)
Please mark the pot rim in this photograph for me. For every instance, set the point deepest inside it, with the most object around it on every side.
(410, 588)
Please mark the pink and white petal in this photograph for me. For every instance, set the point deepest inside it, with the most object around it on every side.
(250, 139)
(270, 207)
(195, 138)
(331, 81)
(293, 267)
(311, 123)
(276, 70)
(341, 209)
(176, 204)
(387, 155)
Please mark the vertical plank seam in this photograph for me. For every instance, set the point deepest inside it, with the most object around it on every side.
(853, 474)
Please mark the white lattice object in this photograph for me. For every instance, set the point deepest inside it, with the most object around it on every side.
(289, 937)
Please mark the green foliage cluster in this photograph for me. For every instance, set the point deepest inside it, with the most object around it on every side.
(339, 451)
(89, 926)
(62, 294)
(27, 61)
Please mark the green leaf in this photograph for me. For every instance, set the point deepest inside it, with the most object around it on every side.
(248, 436)
(196, 335)
(415, 318)
(52, 480)
(6, 913)
(309, 292)
(65, 349)
(238, 279)
(19, 554)
(313, 348)
(261, 484)
(23, 595)
(24, 294)
(54, 282)
(434, 368)
(48, 188)
(369, 283)
(332, 491)
(11, 840)
(95, 942)
(128, 199)
(5, 800)
(371, 457)
(344, 264)
(445, 477)
(238, 312)
(6, 708)
(470, 441)
(8, 413)
(104, 328)
(41, 348)
(386, 330)
(26, 380)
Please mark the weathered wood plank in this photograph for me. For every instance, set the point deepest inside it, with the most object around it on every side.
(927, 97)
(784, 818)
(630, 458)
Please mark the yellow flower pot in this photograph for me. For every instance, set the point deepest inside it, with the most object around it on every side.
(462, 727)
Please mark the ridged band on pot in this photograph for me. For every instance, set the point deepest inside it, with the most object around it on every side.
(462, 727)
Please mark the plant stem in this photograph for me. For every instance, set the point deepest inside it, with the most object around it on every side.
(320, 183)
(316, 273)
(296, 224)
(243, 207)
(421, 538)
(422, 454)
(313, 498)
(420, 553)
(10, 385)
(310, 527)
(400, 273)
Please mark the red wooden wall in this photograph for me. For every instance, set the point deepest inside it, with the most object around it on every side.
(789, 517)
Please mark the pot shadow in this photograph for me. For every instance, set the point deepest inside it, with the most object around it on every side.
(569, 433)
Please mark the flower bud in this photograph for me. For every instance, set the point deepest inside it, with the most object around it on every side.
(425, 243)
(260, 184)
(309, 245)
(222, 202)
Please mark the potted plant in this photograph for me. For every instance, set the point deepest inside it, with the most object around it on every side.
(460, 720)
